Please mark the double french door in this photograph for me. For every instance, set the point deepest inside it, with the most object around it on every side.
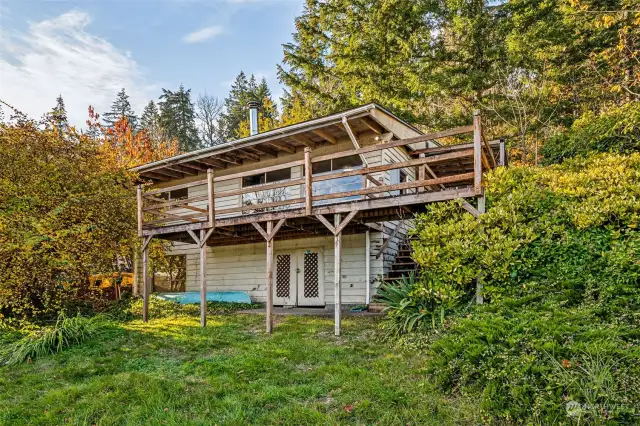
(299, 278)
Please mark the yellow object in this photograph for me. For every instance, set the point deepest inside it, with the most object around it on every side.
(102, 281)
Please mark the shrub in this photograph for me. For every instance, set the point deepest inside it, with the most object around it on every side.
(559, 251)
(615, 130)
(66, 332)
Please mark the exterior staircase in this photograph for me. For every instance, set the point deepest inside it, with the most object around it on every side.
(403, 264)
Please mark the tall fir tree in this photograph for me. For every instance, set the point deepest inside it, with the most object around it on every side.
(58, 114)
(177, 118)
(121, 108)
(236, 108)
(150, 121)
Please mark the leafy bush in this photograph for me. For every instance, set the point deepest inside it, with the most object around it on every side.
(559, 251)
(616, 130)
(66, 332)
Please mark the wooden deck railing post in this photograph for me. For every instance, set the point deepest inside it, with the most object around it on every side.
(502, 159)
(140, 206)
(308, 182)
(477, 152)
(212, 200)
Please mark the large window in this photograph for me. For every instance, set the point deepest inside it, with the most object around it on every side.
(334, 186)
(171, 274)
(269, 195)
(176, 194)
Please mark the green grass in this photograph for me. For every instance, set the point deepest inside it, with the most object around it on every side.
(171, 371)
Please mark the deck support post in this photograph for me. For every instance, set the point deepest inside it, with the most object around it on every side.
(269, 235)
(269, 278)
(337, 254)
(482, 206)
(203, 279)
(502, 158)
(367, 266)
(145, 283)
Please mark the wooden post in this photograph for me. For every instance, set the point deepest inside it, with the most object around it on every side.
(308, 182)
(269, 278)
(203, 279)
(139, 197)
(477, 152)
(337, 254)
(145, 284)
(482, 203)
(367, 266)
(212, 200)
(422, 174)
(502, 159)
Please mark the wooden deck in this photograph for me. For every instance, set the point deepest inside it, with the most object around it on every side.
(443, 173)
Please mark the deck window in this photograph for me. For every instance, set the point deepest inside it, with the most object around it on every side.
(334, 186)
(176, 194)
(269, 195)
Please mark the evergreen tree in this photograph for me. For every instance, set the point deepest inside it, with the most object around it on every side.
(120, 108)
(177, 118)
(150, 121)
(58, 114)
(236, 110)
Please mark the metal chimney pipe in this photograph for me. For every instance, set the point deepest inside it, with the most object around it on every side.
(253, 117)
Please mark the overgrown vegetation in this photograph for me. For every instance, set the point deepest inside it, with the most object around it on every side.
(66, 332)
(558, 250)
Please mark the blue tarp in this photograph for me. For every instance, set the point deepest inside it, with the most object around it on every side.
(212, 296)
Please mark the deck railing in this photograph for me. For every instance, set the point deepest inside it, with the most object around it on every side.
(155, 211)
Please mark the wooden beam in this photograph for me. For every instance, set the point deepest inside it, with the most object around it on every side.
(194, 236)
(248, 155)
(308, 185)
(262, 232)
(276, 228)
(477, 152)
(373, 125)
(354, 140)
(203, 281)
(303, 141)
(170, 173)
(393, 234)
(193, 165)
(229, 159)
(213, 162)
(337, 274)
(468, 207)
(261, 150)
(502, 154)
(269, 308)
(326, 223)
(346, 221)
(282, 147)
(155, 176)
(326, 136)
(182, 169)
(362, 205)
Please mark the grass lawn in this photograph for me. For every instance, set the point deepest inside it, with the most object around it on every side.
(171, 371)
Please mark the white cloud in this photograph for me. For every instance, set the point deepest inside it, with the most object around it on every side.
(59, 56)
(202, 34)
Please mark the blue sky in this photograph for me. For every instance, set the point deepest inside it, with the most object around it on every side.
(88, 49)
